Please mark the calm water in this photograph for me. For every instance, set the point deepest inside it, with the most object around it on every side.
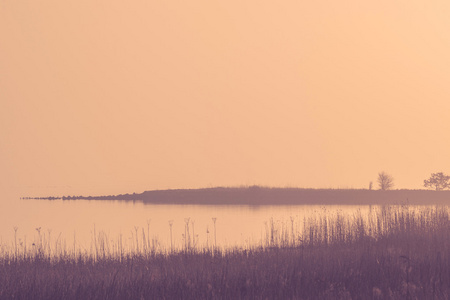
(76, 221)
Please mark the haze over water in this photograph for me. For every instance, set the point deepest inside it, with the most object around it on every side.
(109, 98)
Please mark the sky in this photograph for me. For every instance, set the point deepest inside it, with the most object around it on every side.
(107, 97)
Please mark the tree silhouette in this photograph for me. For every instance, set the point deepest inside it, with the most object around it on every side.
(438, 181)
(385, 181)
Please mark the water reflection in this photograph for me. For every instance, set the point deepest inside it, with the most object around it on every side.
(74, 224)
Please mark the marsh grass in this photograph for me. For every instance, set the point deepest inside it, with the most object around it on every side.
(395, 252)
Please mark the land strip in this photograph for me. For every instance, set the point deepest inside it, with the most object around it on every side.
(256, 195)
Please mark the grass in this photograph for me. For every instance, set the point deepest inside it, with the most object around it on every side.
(395, 253)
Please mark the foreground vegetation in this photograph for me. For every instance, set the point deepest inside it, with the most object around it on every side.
(396, 253)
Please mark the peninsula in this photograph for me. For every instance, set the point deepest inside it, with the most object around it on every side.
(257, 195)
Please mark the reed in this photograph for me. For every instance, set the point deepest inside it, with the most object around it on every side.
(392, 253)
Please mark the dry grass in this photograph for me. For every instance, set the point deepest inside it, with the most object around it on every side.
(396, 253)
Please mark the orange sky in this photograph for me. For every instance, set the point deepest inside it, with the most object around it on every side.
(113, 97)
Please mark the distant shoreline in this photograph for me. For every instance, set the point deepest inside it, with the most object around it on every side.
(256, 195)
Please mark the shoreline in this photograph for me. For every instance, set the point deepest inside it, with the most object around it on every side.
(255, 196)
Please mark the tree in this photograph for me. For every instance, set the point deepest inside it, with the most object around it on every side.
(438, 181)
(385, 181)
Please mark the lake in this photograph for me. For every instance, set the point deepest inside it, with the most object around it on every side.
(76, 222)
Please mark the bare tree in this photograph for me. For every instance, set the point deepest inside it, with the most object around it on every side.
(438, 181)
(385, 181)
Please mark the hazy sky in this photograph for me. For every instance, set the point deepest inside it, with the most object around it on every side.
(120, 96)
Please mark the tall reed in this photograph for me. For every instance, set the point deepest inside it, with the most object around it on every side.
(395, 252)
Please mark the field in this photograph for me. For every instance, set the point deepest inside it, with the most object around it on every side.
(397, 253)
